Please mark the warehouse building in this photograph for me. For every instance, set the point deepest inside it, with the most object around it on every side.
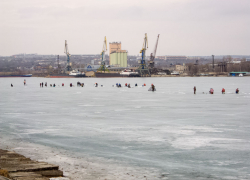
(117, 57)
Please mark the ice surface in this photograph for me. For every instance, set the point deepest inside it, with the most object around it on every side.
(131, 133)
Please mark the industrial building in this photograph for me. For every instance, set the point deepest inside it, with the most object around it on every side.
(114, 46)
(181, 68)
(117, 57)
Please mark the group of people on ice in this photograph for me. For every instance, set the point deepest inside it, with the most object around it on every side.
(80, 84)
(223, 91)
(152, 87)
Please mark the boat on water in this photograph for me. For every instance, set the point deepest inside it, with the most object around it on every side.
(106, 75)
(72, 74)
(125, 73)
(129, 73)
(17, 75)
(175, 73)
(75, 73)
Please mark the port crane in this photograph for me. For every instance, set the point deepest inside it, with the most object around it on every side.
(143, 70)
(152, 55)
(104, 49)
(66, 51)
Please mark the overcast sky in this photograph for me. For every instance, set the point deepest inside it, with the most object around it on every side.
(186, 27)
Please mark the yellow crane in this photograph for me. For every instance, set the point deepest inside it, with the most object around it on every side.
(145, 44)
(104, 49)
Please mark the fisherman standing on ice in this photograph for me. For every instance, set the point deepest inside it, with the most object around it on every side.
(223, 91)
(211, 91)
(153, 87)
(194, 89)
(24, 82)
(237, 91)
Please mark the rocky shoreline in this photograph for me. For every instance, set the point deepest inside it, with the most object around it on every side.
(21, 168)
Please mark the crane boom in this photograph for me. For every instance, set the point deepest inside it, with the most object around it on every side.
(104, 49)
(66, 51)
(152, 55)
(143, 52)
(156, 44)
(145, 43)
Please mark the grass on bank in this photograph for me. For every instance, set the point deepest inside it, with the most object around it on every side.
(4, 173)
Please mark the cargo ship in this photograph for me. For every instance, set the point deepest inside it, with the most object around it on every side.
(107, 75)
(17, 75)
(125, 73)
(129, 73)
(72, 74)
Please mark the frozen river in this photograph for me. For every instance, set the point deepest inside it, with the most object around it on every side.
(122, 133)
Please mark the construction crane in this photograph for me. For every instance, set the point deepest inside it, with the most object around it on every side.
(152, 55)
(66, 51)
(143, 51)
(143, 70)
(104, 49)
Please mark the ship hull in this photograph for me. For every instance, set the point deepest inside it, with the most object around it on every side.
(15, 75)
(107, 75)
(65, 76)
(111, 75)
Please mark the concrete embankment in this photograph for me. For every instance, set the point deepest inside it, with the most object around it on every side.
(22, 168)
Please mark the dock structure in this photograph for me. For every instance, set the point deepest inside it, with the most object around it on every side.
(22, 168)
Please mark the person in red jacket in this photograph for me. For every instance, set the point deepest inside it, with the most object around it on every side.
(211, 91)
(223, 91)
